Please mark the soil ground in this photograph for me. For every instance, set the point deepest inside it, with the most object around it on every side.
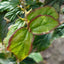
(55, 53)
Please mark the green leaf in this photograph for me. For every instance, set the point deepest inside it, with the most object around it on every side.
(42, 42)
(5, 6)
(42, 24)
(30, 2)
(58, 32)
(56, 5)
(4, 0)
(49, 1)
(8, 5)
(19, 23)
(6, 61)
(47, 10)
(36, 57)
(12, 14)
(3, 61)
(33, 4)
(2, 56)
(3, 27)
(28, 61)
(20, 43)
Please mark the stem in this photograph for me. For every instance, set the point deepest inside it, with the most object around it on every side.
(25, 11)
(20, 17)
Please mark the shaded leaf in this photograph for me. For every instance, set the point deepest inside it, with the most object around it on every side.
(20, 43)
(30, 2)
(3, 27)
(58, 32)
(2, 56)
(19, 23)
(48, 1)
(8, 5)
(28, 61)
(6, 61)
(54, 3)
(33, 4)
(13, 14)
(42, 42)
(42, 24)
(36, 57)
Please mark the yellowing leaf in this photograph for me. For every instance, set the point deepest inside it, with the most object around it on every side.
(20, 43)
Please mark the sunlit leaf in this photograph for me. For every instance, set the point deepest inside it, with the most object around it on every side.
(36, 57)
(42, 24)
(20, 43)
(47, 10)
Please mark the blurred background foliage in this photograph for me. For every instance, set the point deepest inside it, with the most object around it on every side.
(9, 11)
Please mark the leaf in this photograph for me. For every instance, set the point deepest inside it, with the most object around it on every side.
(30, 2)
(5, 6)
(56, 5)
(8, 5)
(28, 61)
(47, 10)
(42, 24)
(49, 1)
(3, 61)
(2, 56)
(20, 43)
(6, 61)
(19, 23)
(42, 42)
(11, 15)
(36, 57)
(3, 27)
(58, 32)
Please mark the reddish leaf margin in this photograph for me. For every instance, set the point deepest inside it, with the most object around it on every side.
(42, 7)
(42, 33)
(9, 43)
